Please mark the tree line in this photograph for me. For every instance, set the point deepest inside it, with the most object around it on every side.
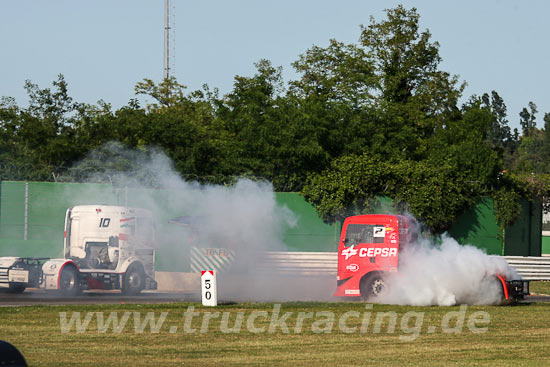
(377, 117)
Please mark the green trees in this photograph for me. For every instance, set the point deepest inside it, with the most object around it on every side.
(384, 95)
(374, 118)
(415, 144)
(267, 133)
(414, 95)
(38, 137)
(527, 121)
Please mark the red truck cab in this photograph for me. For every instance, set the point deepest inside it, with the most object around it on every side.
(368, 248)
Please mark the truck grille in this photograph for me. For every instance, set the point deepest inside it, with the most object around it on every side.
(3, 275)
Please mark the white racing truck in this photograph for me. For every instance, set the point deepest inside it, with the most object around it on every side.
(105, 247)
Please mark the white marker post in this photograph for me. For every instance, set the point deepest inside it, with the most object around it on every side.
(209, 291)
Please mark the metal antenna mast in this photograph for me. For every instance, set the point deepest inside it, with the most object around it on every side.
(169, 21)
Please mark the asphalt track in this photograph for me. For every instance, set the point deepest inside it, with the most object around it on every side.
(33, 297)
(537, 298)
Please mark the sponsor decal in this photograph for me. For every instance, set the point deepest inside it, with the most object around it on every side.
(369, 252)
(389, 229)
(349, 252)
(352, 291)
(352, 267)
(379, 232)
(217, 252)
(375, 251)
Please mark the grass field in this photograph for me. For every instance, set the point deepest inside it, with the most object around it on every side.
(540, 288)
(515, 335)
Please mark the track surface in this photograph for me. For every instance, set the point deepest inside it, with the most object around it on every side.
(537, 298)
(38, 297)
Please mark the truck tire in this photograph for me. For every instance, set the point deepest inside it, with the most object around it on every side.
(17, 288)
(134, 280)
(372, 286)
(69, 281)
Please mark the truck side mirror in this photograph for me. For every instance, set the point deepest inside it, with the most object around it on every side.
(113, 241)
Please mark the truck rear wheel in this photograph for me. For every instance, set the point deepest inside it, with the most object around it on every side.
(134, 280)
(69, 281)
(371, 287)
(17, 288)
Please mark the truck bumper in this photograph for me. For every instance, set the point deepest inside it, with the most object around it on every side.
(513, 290)
(517, 289)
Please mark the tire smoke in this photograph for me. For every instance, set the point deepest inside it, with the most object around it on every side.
(246, 219)
(445, 275)
(243, 217)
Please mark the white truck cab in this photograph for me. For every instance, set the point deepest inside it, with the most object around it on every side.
(105, 247)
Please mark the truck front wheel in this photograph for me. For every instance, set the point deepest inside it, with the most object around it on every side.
(134, 280)
(69, 282)
(371, 287)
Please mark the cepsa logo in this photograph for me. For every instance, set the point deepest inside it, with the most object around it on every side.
(369, 252)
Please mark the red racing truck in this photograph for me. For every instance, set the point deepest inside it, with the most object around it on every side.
(369, 248)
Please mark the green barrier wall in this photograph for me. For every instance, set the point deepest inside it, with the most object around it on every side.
(42, 235)
(310, 233)
(478, 226)
(546, 245)
(524, 237)
(38, 230)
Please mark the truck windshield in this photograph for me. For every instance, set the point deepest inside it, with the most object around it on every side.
(364, 233)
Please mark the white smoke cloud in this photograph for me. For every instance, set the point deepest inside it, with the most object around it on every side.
(246, 218)
(243, 217)
(445, 275)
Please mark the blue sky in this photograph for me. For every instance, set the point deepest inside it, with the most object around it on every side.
(104, 47)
